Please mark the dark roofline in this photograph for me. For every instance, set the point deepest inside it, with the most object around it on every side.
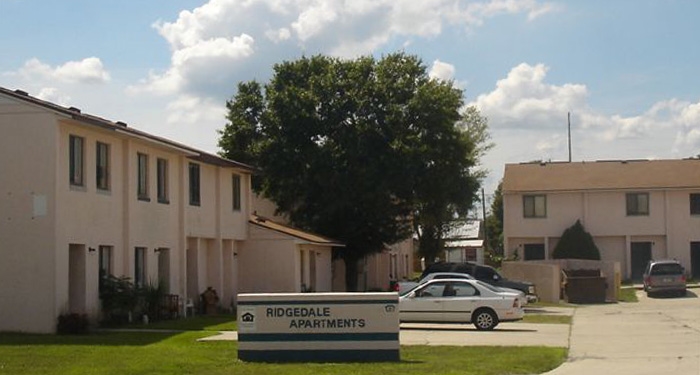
(288, 230)
(77, 115)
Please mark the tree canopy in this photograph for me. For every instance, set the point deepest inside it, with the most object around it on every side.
(359, 150)
(494, 224)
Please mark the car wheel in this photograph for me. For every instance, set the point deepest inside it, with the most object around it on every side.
(484, 320)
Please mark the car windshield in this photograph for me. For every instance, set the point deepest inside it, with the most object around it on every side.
(667, 269)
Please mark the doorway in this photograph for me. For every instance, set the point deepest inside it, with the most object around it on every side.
(164, 268)
(695, 260)
(640, 256)
(76, 279)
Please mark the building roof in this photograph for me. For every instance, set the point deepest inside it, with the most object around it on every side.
(467, 234)
(121, 127)
(470, 229)
(602, 175)
(311, 238)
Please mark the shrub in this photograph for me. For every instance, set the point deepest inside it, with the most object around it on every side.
(119, 299)
(72, 324)
(576, 243)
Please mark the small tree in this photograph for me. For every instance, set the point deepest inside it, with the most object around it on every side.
(576, 243)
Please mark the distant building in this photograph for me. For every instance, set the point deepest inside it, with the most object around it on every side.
(465, 243)
(635, 210)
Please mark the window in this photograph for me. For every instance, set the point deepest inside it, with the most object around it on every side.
(533, 251)
(102, 163)
(142, 188)
(194, 184)
(432, 290)
(462, 290)
(76, 160)
(637, 204)
(105, 260)
(140, 267)
(695, 204)
(535, 206)
(236, 188)
(162, 166)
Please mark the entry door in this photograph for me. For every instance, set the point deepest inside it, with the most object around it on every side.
(641, 255)
(76, 279)
(164, 268)
(695, 260)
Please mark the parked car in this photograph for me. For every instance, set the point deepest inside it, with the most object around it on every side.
(460, 301)
(405, 286)
(664, 276)
(486, 274)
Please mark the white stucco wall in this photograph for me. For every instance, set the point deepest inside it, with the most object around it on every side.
(669, 227)
(27, 218)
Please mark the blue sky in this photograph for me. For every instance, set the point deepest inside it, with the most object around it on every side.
(628, 71)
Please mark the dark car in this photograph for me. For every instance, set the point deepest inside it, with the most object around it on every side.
(484, 273)
(664, 276)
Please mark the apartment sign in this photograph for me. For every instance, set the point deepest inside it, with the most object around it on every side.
(318, 327)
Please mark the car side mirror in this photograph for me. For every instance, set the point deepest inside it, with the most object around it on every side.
(496, 277)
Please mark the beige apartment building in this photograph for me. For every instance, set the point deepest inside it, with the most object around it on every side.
(635, 210)
(80, 194)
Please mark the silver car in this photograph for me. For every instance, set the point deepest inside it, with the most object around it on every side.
(459, 301)
(664, 276)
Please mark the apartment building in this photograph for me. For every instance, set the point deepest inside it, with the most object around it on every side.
(635, 210)
(80, 194)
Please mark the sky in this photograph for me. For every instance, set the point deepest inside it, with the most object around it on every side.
(628, 71)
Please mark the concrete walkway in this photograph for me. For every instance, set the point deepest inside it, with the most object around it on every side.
(654, 336)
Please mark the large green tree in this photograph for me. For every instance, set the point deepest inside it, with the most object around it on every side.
(494, 225)
(357, 149)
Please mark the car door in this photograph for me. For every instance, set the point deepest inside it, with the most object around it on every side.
(423, 305)
(459, 301)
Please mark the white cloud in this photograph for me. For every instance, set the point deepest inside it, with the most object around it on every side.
(194, 110)
(442, 70)
(524, 109)
(524, 99)
(53, 95)
(224, 41)
(89, 71)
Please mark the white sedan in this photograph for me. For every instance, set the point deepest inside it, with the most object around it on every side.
(406, 286)
(460, 301)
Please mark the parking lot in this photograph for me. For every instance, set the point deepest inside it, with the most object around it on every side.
(506, 334)
(654, 336)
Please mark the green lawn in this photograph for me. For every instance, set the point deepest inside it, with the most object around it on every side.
(195, 323)
(546, 318)
(179, 353)
(628, 294)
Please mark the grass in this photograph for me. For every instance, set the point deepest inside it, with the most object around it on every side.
(179, 353)
(547, 319)
(627, 295)
(195, 323)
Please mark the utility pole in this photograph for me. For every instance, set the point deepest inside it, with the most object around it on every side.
(568, 116)
(483, 210)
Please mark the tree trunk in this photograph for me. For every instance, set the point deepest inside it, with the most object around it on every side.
(350, 273)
